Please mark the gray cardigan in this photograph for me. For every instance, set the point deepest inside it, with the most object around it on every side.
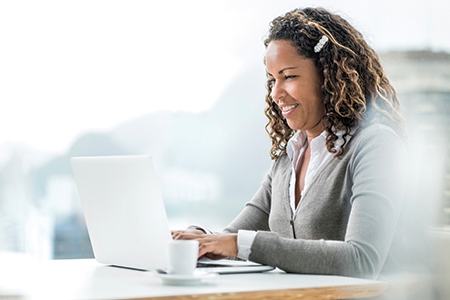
(346, 220)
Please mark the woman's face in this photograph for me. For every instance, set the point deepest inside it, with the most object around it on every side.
(296, 85)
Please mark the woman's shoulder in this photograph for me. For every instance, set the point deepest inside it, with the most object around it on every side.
(376, 128)
(377, 131)
(378, 138)
(281, 164)
(283, 159)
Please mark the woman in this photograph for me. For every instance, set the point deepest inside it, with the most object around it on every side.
(331, 201)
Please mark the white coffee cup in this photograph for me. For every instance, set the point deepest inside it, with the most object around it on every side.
(182, 257)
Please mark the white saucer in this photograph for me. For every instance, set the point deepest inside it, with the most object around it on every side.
(174, 279)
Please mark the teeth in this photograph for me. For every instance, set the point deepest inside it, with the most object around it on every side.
(286, 108)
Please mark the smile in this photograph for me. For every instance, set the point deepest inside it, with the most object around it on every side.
(286, 109)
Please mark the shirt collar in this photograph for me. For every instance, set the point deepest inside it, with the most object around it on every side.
(298, 141)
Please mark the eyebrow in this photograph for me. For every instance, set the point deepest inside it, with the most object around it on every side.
(282, 70)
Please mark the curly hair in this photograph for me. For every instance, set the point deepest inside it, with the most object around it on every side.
(355, 89)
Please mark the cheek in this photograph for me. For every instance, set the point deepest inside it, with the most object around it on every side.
(316, 101)
(310, 99)
(295, 92)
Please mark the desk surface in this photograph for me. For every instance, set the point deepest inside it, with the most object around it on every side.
(86, 279)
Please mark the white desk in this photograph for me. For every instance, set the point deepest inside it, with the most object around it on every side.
(86, 279)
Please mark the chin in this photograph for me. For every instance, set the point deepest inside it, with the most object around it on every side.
(294, 125)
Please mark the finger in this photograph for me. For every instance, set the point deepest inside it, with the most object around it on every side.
(187, 236)
(203, 250)
(221, 245)
(177, 233)
(181, 234)
(210, 249)
(214, 256)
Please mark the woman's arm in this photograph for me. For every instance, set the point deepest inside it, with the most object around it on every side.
(377, 172)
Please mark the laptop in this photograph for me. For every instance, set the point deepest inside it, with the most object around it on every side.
(126, 218)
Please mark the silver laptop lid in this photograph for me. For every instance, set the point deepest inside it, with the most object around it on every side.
(124, 210)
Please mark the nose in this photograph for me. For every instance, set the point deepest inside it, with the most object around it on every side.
(277, 92)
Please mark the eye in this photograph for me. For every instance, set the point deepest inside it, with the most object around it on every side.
(270, 82)
(290, 76)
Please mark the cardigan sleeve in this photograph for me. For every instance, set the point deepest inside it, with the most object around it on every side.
(376, 171)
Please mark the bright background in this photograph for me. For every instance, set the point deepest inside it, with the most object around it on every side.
(67, 67)
(184, 82)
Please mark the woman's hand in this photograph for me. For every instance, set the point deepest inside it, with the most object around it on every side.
(212, 246)
(186, 234)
